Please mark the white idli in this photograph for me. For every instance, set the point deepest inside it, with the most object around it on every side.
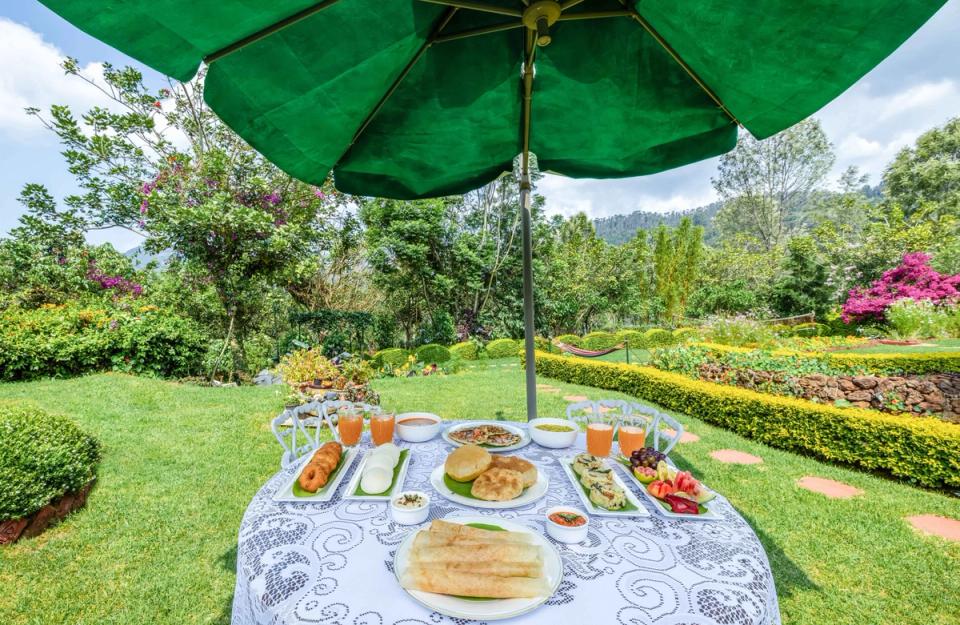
(375, 481)
(379, 461)
(389, 448)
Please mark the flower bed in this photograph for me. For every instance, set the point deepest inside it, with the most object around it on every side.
(925, 451)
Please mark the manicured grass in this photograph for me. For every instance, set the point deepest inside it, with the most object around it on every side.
(925, 346)
(156, 543)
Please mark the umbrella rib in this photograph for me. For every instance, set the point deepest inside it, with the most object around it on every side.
(477, 6)
(479, 31)
(592, 15)
(431, 39)
(647, 26)
(266, 32)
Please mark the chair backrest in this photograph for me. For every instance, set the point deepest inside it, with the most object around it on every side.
(656, 423)
(290, 430)
(328, 411)
(613, 408)
(580, 411)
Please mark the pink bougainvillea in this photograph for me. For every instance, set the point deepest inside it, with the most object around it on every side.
(913, 278)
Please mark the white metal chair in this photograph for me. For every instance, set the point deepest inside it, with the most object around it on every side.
(327, 411)
(290, 431)
(657, 423)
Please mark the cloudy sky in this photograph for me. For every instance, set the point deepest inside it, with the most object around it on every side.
(916, 88)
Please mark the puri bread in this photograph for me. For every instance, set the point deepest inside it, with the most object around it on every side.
(524, 467)
(467, 462)
(498, 485)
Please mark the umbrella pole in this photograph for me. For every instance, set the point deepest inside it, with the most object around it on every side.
(528, 331)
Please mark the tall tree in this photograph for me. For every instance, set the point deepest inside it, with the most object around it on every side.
(925, 179)
(676, 261)
(766, 184)
(802, 287)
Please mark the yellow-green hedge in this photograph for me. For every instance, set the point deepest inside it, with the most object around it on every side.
(920, 449)
(929, 362)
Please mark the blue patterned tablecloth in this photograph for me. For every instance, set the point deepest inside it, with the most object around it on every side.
(332, 563)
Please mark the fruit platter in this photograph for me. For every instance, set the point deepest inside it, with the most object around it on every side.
(674, 493)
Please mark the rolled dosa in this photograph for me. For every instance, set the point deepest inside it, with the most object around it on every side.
(430, 539)
(427, 579)
(502, 569)
(502, 552)
(465, 531)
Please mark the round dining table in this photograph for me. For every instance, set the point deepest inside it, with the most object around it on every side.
(332, 562)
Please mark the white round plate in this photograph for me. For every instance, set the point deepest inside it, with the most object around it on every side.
(529, 495)
(485, 609)
(524, 436)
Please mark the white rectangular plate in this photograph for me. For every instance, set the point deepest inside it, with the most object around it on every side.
(710, 515)
(401, 473)
(326, 493)
(593, 508)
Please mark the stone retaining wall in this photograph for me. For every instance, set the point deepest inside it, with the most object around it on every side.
(937, 394)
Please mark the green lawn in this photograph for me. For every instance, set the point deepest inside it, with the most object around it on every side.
(156, 543)
(928, 346)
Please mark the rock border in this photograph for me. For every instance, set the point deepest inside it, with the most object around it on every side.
(31, 526)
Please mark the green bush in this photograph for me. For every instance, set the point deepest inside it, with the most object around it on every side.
(658, 337)
(922, 450)
(392, 356)
(42, 457)
(466, 350)
(432, 354)
(503, 348)
(634, 337)
(684, 335)
(894, 364)
(597, 341)
(809, 329)
(570, 339)
(544, 345)
(71, 339)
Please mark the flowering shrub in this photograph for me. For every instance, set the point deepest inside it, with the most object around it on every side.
(306, 365)
(914, 278)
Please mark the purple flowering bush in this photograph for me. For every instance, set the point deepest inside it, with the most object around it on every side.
(913, 278)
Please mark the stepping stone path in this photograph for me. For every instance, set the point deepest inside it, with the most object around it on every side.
(686, 437)
(828, 488)
(573, 398)
(547, 388)
(936, 525)
(732, 456)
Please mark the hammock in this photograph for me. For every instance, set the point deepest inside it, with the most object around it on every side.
(586, 353)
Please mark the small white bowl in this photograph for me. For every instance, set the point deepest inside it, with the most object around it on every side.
(417, 433)
(553, 440)
(564, 534)
(410, 516)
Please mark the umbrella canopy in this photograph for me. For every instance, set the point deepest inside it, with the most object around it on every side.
(419, 98)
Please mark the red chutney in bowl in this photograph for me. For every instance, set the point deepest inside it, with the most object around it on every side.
(567, 519)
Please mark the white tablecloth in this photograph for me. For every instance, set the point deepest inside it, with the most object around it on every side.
(332, 563)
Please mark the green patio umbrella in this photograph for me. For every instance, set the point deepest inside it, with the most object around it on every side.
(419, 98)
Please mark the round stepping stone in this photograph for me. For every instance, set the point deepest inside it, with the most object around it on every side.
(936, 525)
(550, 390)
(573, 398)
(732, 456)
(828, 488)
(686, 437)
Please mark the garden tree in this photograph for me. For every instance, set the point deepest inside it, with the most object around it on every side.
(765, 184)
(848, 208)
(46, 260)
(802, 288)
(676, 262)
(409, 248)
(163, 165)
(925, 179)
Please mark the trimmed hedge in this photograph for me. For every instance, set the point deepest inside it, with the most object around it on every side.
(466, 350)
(432, 353)
(931, 362)
(597, 341)
(682, 335)
(570, 339)
(502, 348)
(393, 356)
(922, 450)
(635, 337)
(42, 458)
(658, 337)
(543, 345)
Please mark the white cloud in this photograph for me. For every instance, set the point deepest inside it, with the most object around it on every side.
(32, 76)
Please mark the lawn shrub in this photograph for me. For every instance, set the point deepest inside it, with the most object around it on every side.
(634, 337)
(658, 337)
(467, 350)
(597, 341)
(432, 354)
(684, 335)
(544, 345)
(71, 339)
(570, 339)
(392, 356)
(893, 364)
(42, 457)
(503, 348)
(921, 450)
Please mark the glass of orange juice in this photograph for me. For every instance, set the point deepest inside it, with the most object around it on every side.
(381, 427)
(631, 437)
(349, 426)
(599, 436)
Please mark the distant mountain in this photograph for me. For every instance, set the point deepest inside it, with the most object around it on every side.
(618, 229)
(142, 258)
